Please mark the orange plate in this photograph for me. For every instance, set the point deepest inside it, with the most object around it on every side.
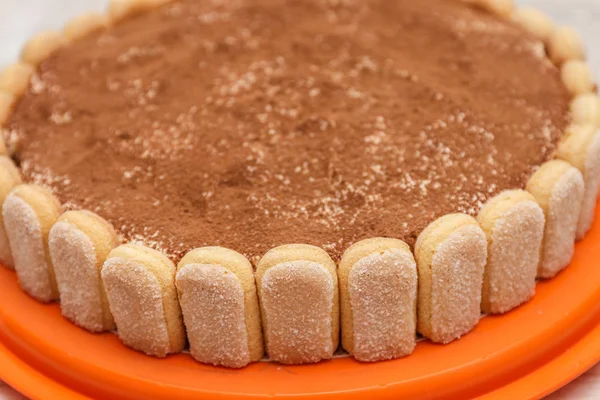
(526, 353)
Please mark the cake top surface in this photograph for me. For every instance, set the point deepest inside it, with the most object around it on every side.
(250, 124)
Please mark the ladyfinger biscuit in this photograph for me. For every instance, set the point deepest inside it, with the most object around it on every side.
(15, 78)
(378, 298)
(217, 294)
(577, 77)
(585, 109)
(41, 46)
(581, 148)
(121, 9)
(534, 21)
(558, 188)
(140, 287)
(79, 243)
(501, 8)
(29, 212)
(85, 24)
(451, 254)
(7, 100)
(565, 44)
(514, 226)
(9, 178)
(298, 293)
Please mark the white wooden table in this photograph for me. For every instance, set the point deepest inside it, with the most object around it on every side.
(19, 19)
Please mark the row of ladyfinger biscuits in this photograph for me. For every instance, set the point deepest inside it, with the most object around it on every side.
(297, 284)
(460, 266)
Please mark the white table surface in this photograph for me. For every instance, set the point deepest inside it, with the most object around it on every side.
(19, 19)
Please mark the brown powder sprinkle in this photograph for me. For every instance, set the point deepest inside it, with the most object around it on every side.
(251, 124)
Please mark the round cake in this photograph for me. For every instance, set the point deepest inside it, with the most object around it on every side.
(371, 167)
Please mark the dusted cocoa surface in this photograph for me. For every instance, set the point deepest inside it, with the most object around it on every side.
(250, 124)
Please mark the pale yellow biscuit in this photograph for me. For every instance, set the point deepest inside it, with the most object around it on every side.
(565, 44)
(503, 8)
(41, 46)
(79, 243)
(15, 78)
(378, 299)
(29, 212)
(558, 188)
(585, 109)
(514, 226)
(84, 25)
(217, 294)
(9, 178)
(577, 77)
(581, 148)
(298, 293)
(534, 21)
(451, 255)
(121, 9)
(140, 286)
(7, 100)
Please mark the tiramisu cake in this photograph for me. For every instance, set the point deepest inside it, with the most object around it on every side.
(281, 178)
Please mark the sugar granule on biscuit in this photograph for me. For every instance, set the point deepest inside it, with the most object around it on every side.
(297, 297)
(79, 243)
(9, 178)
(382, 289)
(141, 292)
(218, 298)
(378, 294)
(451, 254)
(212, 301)
(581, 148)
(558, 188)
(29, 212)
(514, 225)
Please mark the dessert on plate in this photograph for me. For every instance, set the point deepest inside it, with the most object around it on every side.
(279, 177)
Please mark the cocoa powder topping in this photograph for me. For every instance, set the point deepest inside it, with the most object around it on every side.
(250, 124)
